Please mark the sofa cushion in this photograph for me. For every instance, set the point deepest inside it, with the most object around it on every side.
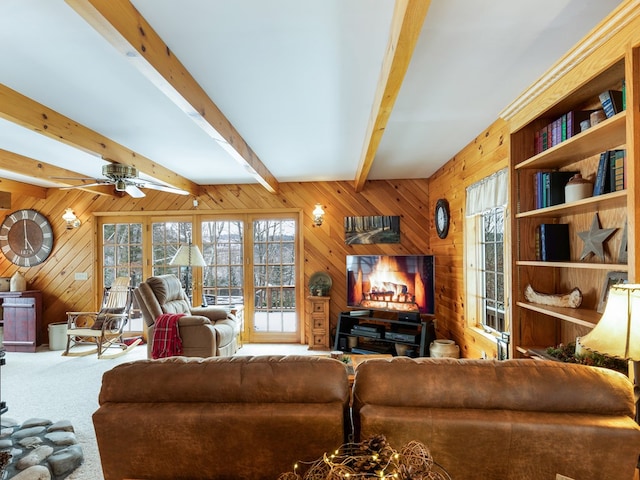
(260, 379)
(518, 384)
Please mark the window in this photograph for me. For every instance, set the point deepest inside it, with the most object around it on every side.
(248, 258)
(274, 275)
(492, 269)
(166, 240)
(485, 266)
(122, 257)
(121, 252)
(222, 249)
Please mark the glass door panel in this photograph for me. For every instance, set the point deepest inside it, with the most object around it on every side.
(275, 316)
(223, 251)
(122, 254)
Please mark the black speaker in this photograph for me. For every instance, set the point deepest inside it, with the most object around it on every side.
(342, 344)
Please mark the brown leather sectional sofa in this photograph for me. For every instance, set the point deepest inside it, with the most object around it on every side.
(503, 420)
(219, 418)
(253, 417)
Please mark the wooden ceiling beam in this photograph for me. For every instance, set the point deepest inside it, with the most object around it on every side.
(406, 25)
(20, 164)
(125, 28)
(30, 114)
(21, 188)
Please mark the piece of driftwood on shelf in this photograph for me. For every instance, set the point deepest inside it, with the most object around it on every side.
(573, 299)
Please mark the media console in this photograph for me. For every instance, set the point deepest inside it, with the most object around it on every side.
(360, 332)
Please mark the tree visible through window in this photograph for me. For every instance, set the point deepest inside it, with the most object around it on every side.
(274, 275)
(222, 248)
(166, 240)
(492, 269)
(122, 252)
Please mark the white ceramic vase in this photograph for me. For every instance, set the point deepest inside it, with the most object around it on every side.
(18, 283)
(444, 349)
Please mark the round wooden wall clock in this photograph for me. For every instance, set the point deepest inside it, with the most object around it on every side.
(442, 218)
(26, 238)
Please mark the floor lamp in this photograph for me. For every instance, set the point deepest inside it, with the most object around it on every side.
(188, 256)
(617, 334)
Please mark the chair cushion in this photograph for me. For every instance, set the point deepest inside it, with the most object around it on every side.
(102, 316)
(168, 292)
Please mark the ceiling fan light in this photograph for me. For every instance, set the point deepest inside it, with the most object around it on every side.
(118, 170)
(120, 185)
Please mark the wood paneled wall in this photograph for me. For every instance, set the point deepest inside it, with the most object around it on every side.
(324, 246)
(486, 154)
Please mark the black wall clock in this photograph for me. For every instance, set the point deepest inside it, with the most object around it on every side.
(26, 238)
(442, 218)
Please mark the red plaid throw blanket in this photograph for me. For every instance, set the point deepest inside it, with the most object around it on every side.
(166, 338)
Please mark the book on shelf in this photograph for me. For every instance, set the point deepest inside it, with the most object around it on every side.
(611, 101)
(554, 187)
(602, 183)
(559, 130)
(624, 167)
(574, 119)
(553, 239)
(538, 185)
(616, 167)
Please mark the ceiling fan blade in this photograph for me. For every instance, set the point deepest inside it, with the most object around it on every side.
(77, 179)
(134, 191)
(98, 184)
(162, 188)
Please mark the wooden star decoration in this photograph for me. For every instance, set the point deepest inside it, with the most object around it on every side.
(594, 238)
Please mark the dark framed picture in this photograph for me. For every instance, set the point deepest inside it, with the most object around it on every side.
(613, 278)
(372, 229)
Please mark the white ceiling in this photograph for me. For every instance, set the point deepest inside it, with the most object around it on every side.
(296, 78)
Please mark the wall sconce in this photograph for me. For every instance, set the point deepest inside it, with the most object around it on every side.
(71, 219)
(318, 215)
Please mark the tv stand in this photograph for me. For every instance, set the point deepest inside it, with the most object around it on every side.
(361, 332)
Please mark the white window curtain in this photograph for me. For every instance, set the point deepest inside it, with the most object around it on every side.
(488, 193)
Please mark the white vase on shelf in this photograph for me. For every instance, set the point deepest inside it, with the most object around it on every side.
(18, 283)
(444, 349)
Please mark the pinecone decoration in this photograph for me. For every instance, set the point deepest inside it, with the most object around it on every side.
(5, 459)
(372, 455)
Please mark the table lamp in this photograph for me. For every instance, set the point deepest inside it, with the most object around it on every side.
(188, 256)
(617, 334)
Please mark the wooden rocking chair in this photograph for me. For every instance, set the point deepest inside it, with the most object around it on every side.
(105, 328)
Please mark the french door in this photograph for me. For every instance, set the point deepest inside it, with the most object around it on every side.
(275, 277)
(251, 260)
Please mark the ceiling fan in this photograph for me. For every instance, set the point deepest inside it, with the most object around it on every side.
(125, 179)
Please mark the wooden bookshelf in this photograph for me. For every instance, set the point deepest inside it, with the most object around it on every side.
(537, 326)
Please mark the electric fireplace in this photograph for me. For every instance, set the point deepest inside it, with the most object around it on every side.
(396, 283)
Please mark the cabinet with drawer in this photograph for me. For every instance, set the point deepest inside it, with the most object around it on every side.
(22, 318)
(318, 322)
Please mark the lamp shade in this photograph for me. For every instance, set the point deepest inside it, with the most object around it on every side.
(617, 334)
(188, 256)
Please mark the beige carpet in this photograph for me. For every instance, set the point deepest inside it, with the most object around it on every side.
(47, 385)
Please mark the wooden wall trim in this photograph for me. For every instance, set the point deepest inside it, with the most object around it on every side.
(621, 17)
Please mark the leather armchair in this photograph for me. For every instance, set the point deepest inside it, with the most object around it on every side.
(204, 331)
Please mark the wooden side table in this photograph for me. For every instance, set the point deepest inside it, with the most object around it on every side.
(318, 322)
(22, 315)
(238, 312)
